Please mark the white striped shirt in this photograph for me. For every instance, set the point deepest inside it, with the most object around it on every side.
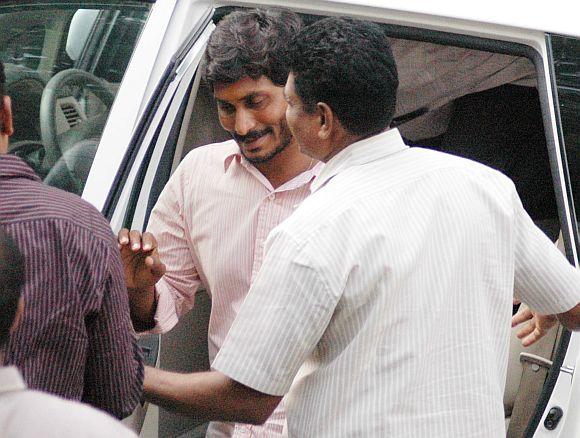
(393, 283)
(211, 222)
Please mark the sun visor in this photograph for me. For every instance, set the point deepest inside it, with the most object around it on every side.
(80, 28)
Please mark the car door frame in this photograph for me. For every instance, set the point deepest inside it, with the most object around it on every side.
(154, 145)
(169, 25)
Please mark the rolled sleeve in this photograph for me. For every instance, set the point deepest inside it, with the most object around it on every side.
(543, 277)
(165, 315)
(280, 323)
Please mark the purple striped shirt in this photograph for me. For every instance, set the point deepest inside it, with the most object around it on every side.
(75, 339)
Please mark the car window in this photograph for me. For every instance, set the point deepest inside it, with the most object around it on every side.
(566, 55)
(64, 64)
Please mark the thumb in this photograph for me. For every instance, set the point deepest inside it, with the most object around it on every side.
(156, 267)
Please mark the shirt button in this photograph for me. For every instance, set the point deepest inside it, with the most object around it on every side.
(272, 196)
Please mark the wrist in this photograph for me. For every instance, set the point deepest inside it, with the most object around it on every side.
(143, 306)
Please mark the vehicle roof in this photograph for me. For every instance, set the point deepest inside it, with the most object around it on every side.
(556, 16)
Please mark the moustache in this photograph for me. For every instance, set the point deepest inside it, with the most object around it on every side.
(251, 136)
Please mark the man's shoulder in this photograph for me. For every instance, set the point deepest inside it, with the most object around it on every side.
(462, 174)
(41, 203)
(202, 165)
(36, 412)
(352, 194)
(214, 153)
(420, 167)
(316, 213)
(444, 161)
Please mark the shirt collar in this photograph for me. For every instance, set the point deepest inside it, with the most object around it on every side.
(231, 157)
(11, 380)
(361, 152)
(12, 166)
(304, 178)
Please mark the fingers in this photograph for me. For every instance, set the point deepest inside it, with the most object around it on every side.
(535, 329)
(516, 301)
(524, 314)
(136, 241)
(532, 338)
(526, 329)
(148, 241)
(123, 237)
(530, 333)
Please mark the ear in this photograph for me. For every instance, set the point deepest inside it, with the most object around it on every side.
(326, 117)
(6, 116)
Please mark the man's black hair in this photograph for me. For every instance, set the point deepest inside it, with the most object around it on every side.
(250, 43)
(347, 64)
(11, 282)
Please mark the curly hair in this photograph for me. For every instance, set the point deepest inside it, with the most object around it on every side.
(348, 64)
(250, 43)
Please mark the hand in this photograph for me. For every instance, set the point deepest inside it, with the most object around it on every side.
(143, 267)
(535, 325)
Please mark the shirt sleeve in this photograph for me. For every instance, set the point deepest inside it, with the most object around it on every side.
(175, 292)
(543, 277)
(281, 321)
(114, 366)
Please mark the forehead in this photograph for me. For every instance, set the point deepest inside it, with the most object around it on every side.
(245, 87)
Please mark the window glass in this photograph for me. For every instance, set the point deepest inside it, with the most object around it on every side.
(566, 54)
(64, 64)
(24, 46)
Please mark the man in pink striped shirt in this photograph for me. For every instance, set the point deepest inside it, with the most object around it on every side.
(210, 223)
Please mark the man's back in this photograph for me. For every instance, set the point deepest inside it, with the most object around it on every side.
(399, 271)
(26, 413)
(75, 339)
(413, 278)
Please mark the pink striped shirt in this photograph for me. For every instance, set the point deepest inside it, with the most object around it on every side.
(211, 222)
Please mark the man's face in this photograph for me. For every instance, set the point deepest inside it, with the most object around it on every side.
(253, 111)
(303, 125)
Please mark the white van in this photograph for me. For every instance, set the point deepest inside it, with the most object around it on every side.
(108, 100)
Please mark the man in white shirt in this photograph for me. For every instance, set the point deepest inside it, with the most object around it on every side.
(391, 285)
(24, 412)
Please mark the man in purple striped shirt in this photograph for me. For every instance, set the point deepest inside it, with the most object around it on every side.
(75, 339)
(25, 412)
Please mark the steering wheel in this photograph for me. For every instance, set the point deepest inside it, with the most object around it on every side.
(72, 169)
(32, 152)
(59, 87)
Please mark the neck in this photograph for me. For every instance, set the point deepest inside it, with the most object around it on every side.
(3, 144)
(343, 139)
(286, 165)
(339, 143)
